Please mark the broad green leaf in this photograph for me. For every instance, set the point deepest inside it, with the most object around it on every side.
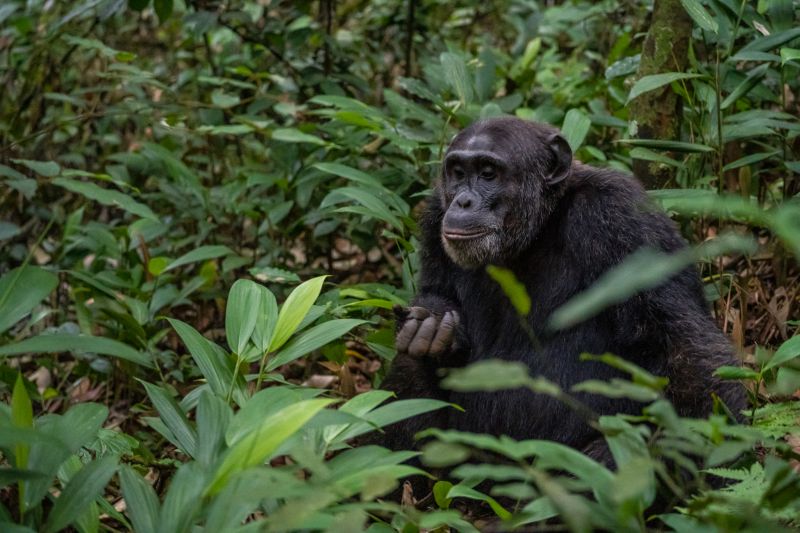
(639, 375)
(142, 502)
(293, 135)
(649, 155)
(749, 160)
(294, 309)
(210, 359)
(371, 204)
(204, 253)
(352, 174)
(47, 169)
(21, 289)
(736, 372)
(488, 375)
(644, 269)
(21, 417)
(255, 447)
(700, 15)
(308, 341)
(463, 491)
(213, 418)
(674, 146)
(655, 81)
(263, 404)
(575, 127)
(163, 9)
(789, 54)
(747, 84)
(224, 100)
(772, 41)
(106, 197)
(266, 317)
(787, 351)
(77, 427)
(183, 499)
(80, 492)
(62, 342)
(173, 417)
(616, 388)
(241, 313)
(456, 74)
(390, 413)
(512, 288)
(693, 202)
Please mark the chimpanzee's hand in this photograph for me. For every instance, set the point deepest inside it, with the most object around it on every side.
(424, 333)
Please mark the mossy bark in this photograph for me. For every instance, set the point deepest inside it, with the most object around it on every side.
(658, 112)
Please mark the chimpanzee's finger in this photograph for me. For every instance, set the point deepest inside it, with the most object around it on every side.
(419, 313)
(444, 334)
(422, 340)
(406, 335)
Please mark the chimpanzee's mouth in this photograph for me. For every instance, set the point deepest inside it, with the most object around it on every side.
(458, 235)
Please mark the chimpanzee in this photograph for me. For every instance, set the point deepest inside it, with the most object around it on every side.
(511, 195)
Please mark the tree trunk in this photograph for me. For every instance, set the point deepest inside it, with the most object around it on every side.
(658, 113)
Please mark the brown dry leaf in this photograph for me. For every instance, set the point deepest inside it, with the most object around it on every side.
(42, 378)
(408, 499)
(320, 381)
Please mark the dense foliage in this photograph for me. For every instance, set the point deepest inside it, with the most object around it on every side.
(207, 212)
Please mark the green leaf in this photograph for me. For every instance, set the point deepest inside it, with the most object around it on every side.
(255, 447)
(674, 146)
(241, 313)
(138, 5)
(350, 173)
(463, 491)
(575, 127)
(163, 9)
(294, 309)
(373, 206)
(770, 42)
(267, 316)
(649, 155)
(210, 359)
(21, 417)
(204, 253)
(106, 197)
(747, 84)
(456, 74)
(293, 135)
(391, 413)
(173, 417)
(700, 15)
(62, 342)
(749, 160)
(789, 54)
(655, 81)
(787, 351)
(224, 100)
(47, 169)
(736, 372)
(316, 337)
(80, 492)
(142, 502)
(512, 288)
(644, 269)
(21, 289)
(183, 499)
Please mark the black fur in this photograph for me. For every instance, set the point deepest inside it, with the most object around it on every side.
(558, 237)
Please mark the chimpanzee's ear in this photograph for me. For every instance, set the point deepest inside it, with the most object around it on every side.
(562, 159)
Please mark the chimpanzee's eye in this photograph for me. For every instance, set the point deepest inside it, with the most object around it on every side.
(487, 172)
(458, 172)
